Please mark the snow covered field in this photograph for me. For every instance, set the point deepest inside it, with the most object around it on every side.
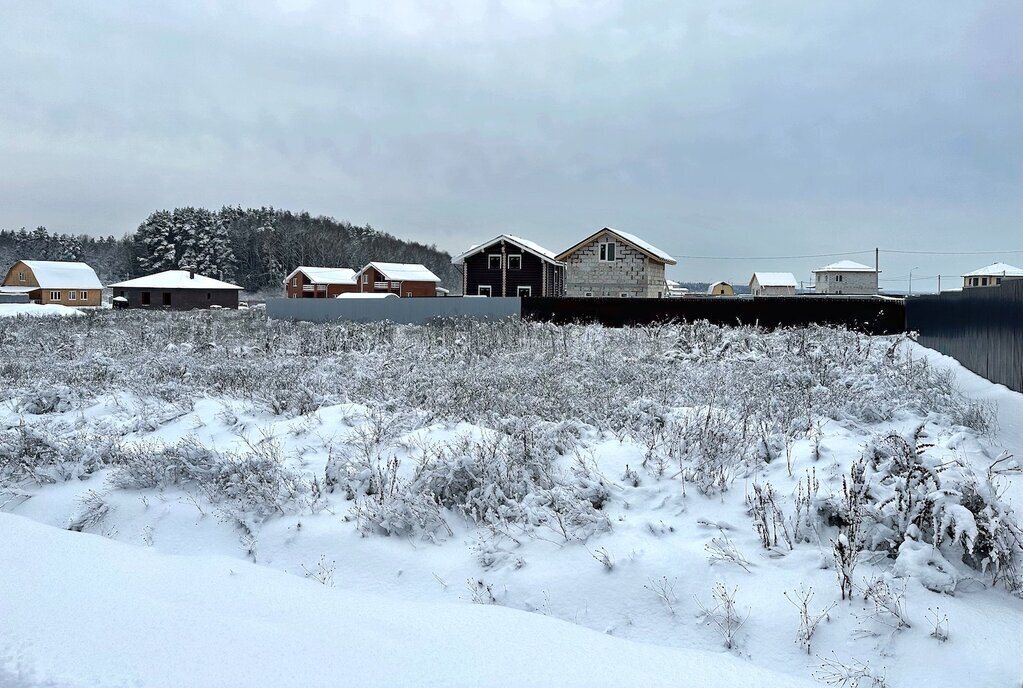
(405, 505)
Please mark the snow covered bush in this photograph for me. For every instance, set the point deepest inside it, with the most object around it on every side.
(926, 509)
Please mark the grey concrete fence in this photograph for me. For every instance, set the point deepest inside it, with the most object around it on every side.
(411, 311)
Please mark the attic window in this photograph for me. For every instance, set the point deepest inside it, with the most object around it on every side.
(494, 261)
(365, 278)
(294, 281)
(515, 262)
(607, 252)
(21, 276)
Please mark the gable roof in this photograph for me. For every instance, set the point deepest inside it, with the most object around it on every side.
(524, 244)
(649, 249)
(774, 279)
(846, 266)
(324, 275)
(996, 270)
(710, 289)
(175, 279)
(403, 272)
(55, 274)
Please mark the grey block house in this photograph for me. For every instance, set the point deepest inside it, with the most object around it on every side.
(613, 263)
(510, 266)
(846, 277)
(176, 290)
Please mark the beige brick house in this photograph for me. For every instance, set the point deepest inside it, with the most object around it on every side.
(613, 263)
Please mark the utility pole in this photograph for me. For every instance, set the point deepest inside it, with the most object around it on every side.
(877, 260)
(939, 284)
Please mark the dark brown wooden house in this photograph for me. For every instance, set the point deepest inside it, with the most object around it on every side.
(177, 290)
(403, 279)
(319, 283)
(509, 266)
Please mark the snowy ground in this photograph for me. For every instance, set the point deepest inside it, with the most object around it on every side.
(596, 477)
(12, 310)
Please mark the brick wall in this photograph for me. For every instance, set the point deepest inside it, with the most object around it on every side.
(631, 272)
(850, 282)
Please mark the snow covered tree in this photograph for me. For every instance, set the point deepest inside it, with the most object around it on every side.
(155, 243)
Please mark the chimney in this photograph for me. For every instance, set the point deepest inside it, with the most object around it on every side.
(191, 272)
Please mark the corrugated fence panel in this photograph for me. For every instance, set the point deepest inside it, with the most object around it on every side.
(870, 315)
(982, 328)
(411, 311)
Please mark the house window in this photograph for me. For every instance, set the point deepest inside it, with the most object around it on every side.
(54, 296)
(515, 262)
(365, 278)
(166, 298)
(588, 294)
(21, 276)
(983, 281)
(294, 281)
(998, 280)
(623, 295)
(209, 296)
(494, 261)
(838, 278)
(484, 290)
(395, 285)
(976, 281)
(145, 298)
(607, 252)
(72, 296)
(408, 294)
(524, 291)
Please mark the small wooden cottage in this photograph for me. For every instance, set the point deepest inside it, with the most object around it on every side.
(319, 283)
(50, 281)
(721, 289)
(177, 290)
(403, 279)
(510, 266)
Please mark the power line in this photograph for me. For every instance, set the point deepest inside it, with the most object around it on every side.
(809, 255)
(949, 253)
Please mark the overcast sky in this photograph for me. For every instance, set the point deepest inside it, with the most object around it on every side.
(710, 128)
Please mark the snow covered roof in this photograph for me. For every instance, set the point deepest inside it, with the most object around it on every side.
(719, 283)
(403, 272)
(16, 290)
(54, 274)
(365, 295)
(176, 279)
(324, 275)
(524, 244)
(845, 266)
(996, 270)
(632, 239)
(774, 279)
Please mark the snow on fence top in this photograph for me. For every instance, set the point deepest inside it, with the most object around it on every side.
(176, 279)
(775, 279)
(403, 272)
(324, 275)
(366, 295)
(996, 270)
(846, 266)
(53, 274)
(524, 244)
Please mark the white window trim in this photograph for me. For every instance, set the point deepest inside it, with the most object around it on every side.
(604, 252)
(514, 255)
(54, 296)
(490, 258)
(365, 278)
(408, 294)
(481, 287)
(21, 277)
(72, 296)
(529, 291)
(623, 295)
(588, 294)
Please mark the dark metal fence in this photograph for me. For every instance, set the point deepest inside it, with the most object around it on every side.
(982, 328)
(866, 314)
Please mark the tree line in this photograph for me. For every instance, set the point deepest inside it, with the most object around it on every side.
(253, 247)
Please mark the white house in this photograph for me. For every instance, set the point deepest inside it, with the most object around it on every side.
(673, 289)
(991, 275)
(773, 284)
(846, 277)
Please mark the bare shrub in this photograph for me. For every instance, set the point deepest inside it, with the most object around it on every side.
(723, 614)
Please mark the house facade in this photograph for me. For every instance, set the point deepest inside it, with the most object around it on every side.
(991, 275)
(721, 289)
(510, 266)
(846, 277)
(612, 263)
(773, 284)
(49, 281)
(319, 283)
(403, 279)
(176, 290)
